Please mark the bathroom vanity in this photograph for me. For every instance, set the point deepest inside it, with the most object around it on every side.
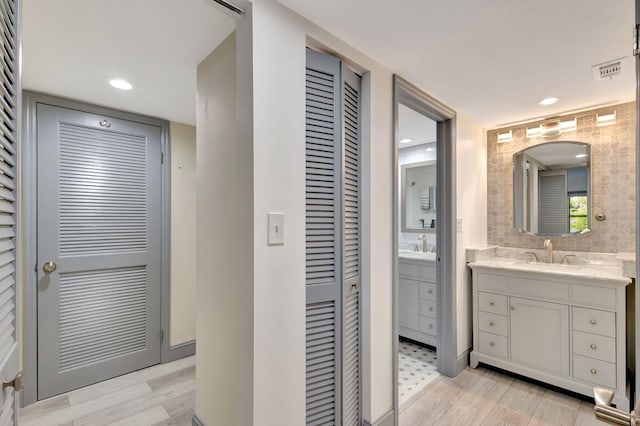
(560, 324)
(417, 297)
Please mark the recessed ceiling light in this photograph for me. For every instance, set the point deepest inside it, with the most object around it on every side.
(430, 149)
(121, 84)
(548, 101)
(406, 140)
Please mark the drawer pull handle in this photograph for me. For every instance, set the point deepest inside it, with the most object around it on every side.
(492, 344)
(491, 303)
(430, 308)
(430, 326)
(594, 371)
(593, 322)
(593, 346)
(430, 291)
(491, 324)
(513, 308)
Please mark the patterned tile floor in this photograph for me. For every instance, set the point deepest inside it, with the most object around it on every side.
(416, 368)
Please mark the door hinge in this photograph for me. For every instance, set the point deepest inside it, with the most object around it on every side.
(161, 335)
(636, 48)
(35, 268)
(162, 158)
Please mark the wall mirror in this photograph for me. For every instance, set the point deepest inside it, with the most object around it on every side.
(552, 189)
(417, 155)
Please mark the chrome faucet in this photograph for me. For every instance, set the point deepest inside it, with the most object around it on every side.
(423, 237)
(549, 246)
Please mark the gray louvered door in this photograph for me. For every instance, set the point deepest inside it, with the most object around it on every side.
(332, 242)
(554, 203)
(9, 351)
(99, 206)
(351, 247)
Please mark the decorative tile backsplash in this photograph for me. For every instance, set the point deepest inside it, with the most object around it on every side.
(612, 180)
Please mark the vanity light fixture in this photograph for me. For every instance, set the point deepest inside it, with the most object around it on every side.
(605, 119)
(568, 125)
(430, 149)
(505, 137)
(533, 132)
(548, 101)
(552, 129)
(406, 140)
(582, 155)
(121, 84)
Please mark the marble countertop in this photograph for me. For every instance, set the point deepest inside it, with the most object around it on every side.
(416, 255)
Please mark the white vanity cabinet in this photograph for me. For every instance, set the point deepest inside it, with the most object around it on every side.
(417, 300)
(565, 330)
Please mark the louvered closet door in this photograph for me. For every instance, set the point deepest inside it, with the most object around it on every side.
(554, 203)
(332, 242)
(99, 207)
(9, 352)
(351, 248)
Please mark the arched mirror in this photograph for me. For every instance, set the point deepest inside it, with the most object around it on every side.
(552, 189)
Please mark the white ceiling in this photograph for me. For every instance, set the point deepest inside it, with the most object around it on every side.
(73, 47)
(491, 60)
(415, 126)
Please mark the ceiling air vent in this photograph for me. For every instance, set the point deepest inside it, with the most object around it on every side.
(607, 70)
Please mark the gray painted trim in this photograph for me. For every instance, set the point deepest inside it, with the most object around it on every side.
(179, 351)
(409, 95)
(29, 190)
(463, 361)
(195, 421)
(386, 419)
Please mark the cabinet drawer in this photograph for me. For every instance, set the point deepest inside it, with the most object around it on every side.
(421, 272)
(429, 326)
(594, 296)
(594, 321)
(558, 292)
(428, 308)
(494, 303)
(594, 371)
(428, 291)
(492, 323)
(493, 282)
(492, 344)
(594, 346)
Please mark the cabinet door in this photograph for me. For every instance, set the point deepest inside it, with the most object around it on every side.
(409, 304)
(540, 334)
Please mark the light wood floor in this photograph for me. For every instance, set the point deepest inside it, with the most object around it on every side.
(486, 397)
(159, 395)
(165, 395)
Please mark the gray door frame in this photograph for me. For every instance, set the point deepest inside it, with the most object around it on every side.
(411, 96)
(636, 59)
(29, 231)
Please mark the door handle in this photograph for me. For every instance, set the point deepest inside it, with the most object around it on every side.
(49, 267)
(16, 383)
(355, 285)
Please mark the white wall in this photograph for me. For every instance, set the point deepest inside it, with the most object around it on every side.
(471, 187)
(280, 39)
(224, 260)
(183, 233)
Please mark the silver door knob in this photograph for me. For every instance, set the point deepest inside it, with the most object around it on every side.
(49, 267)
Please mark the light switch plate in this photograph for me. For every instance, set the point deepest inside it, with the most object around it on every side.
(276, 229)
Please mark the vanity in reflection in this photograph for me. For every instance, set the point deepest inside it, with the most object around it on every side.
(555, 317)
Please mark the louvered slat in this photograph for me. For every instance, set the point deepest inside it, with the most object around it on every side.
(103, 192)
(320, 368)
(102, 315)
